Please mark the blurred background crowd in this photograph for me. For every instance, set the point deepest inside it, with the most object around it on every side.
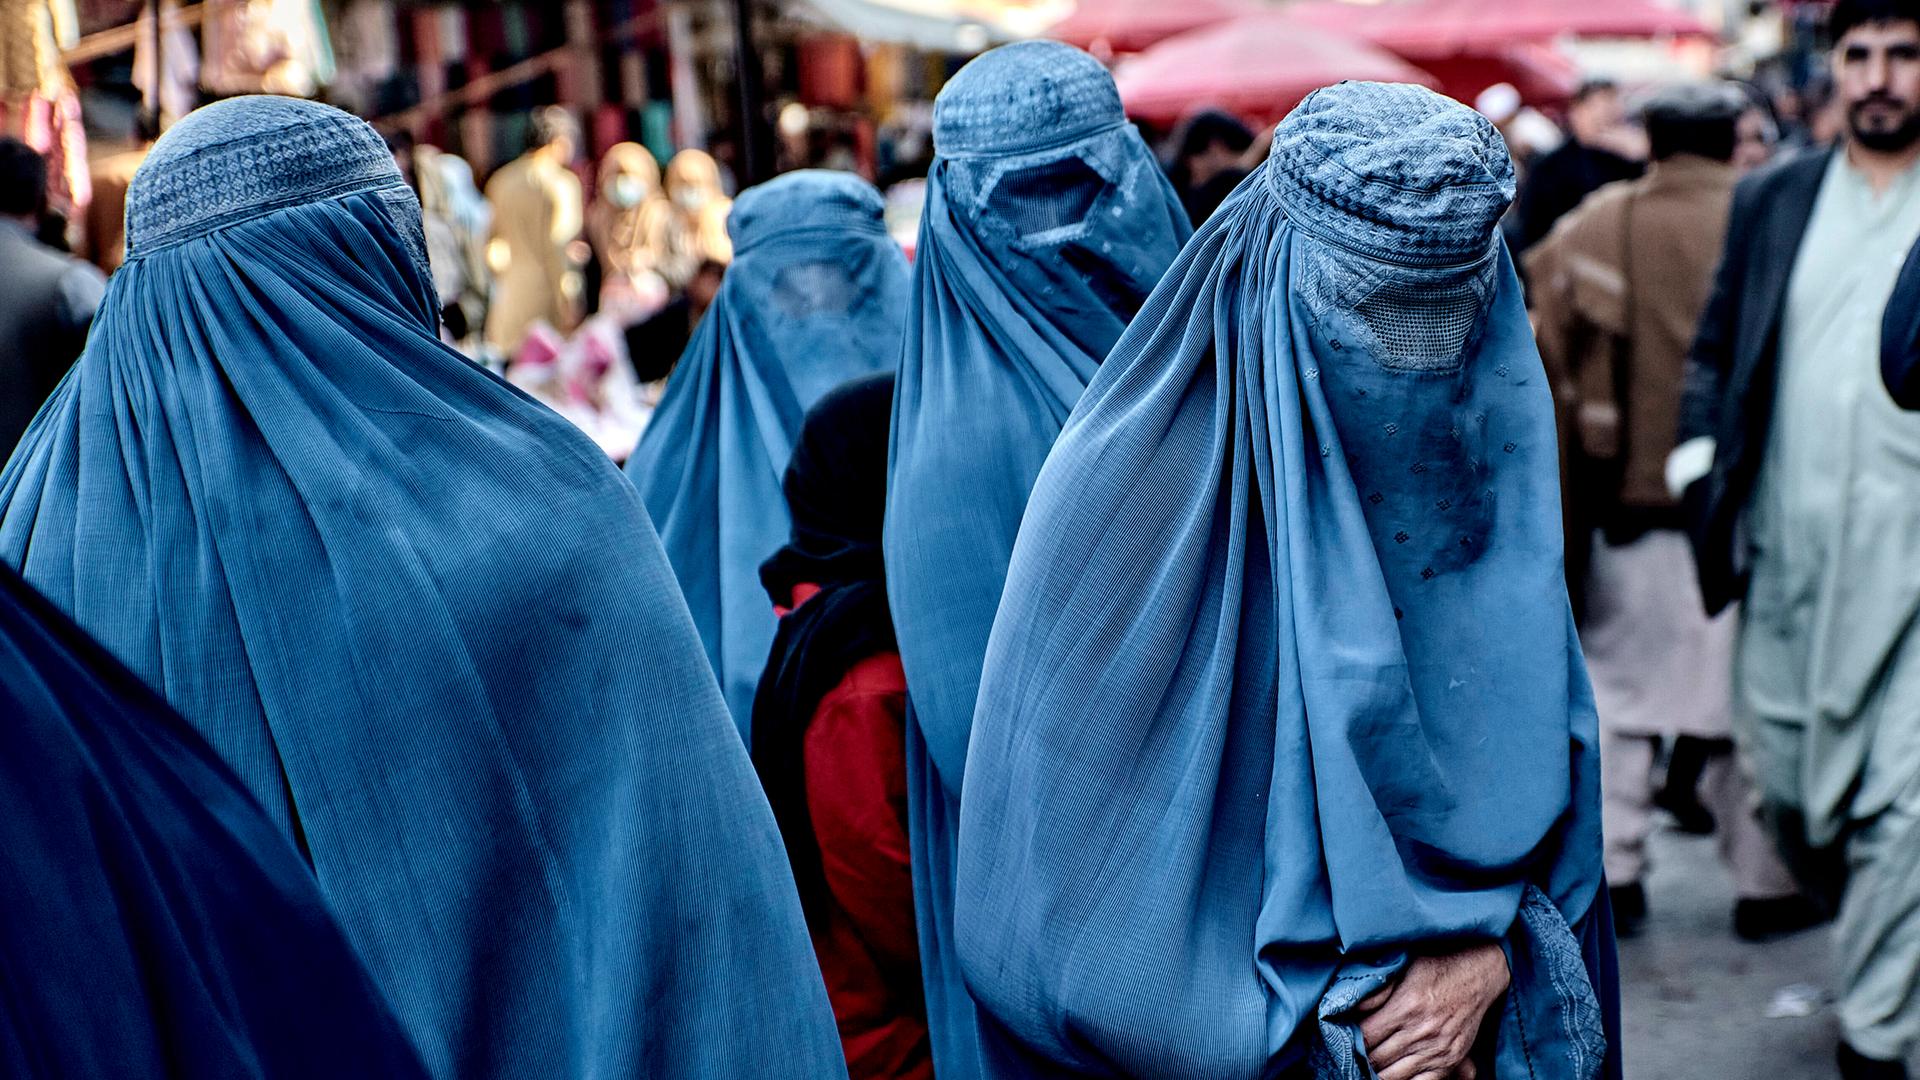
(576, 159)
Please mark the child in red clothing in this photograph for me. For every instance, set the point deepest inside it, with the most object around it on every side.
(828, 735)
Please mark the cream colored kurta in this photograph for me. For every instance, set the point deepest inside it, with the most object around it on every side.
(1835, 522)
(1829, 659)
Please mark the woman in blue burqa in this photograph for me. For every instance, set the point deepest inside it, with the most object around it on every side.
(1284, 762)
(816, 295)
(421, 617)
(157, 923)
(1047, 223)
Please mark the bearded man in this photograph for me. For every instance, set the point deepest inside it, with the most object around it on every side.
(1804, 481)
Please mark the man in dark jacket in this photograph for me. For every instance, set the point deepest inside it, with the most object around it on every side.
(47, 299)
(1803, 481)
(1618, 288)
(1588, 159)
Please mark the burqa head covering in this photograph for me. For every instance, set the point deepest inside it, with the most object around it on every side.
(1285, 682)
(1047, 223)
(836, 488)
(160, 923)
(421, 616)
(816, 295)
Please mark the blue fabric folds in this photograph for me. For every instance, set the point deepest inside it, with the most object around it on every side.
(421, 616)
(1047, 223)
(816, 295)
(158, 924)
(1284, 682)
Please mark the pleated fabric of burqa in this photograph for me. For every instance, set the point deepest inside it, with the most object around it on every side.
(158, 923)
(816, 295)
(1284, 683)
(423, 619)
(1047, 223)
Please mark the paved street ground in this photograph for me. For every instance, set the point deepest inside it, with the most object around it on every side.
(1697, 998)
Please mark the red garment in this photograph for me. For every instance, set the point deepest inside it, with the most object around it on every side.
(856, 772)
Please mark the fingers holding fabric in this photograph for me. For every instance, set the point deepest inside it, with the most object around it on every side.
(1423, 1025)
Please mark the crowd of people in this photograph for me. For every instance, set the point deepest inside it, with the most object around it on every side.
(1223, 614)
(1737, 484)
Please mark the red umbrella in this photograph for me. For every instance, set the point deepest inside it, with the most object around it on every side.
(1257, 67)
(1544, 76)
(1128, 26)
(1420, 28)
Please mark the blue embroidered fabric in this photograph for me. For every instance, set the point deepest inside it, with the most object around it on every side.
(422, 618)
(816, 295)
(1284, 683)
(1047, 223)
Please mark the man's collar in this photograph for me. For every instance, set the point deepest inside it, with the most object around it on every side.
(1687, 168)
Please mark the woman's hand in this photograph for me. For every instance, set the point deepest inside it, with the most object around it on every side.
(1422, 1025)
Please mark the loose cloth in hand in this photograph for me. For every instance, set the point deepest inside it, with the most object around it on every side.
(158, 923)
(1047, 224)
(816, 295)
(1284, 683)
(421, 616)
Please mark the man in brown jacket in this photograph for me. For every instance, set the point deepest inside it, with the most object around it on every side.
(1618, 289)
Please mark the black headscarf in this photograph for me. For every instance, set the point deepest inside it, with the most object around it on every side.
(836, 487)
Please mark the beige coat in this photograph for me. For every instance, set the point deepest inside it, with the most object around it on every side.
(1618, 287)
(536, 214)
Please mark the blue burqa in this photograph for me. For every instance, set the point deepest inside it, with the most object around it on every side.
(158, 924)
(1284, 683)
(816, 295)
(421, 617)
(1047, 223)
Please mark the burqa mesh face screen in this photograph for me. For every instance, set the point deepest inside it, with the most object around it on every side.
(1284, 682)
(1047, 224)
(421, 616)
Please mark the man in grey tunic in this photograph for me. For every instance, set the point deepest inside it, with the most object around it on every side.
(1810, 510)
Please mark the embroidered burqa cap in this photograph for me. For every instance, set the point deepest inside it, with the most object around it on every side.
(422, 618)
(1284, 683)
(1047, 223)
(246, 157)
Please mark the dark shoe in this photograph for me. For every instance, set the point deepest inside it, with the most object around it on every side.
(1856, 1066)
(1688, 815)
(1629, 908)
(1679, 795)
(1775, 916)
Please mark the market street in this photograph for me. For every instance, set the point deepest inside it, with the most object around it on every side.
(1696, 999)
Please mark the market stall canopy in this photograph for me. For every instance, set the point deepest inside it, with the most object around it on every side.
(1417, 29)
(1257, 67)
(957, 26)
(1113, 27)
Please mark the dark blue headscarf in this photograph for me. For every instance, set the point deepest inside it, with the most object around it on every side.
(1285, 682)
(421, 616)
(158, 924)
(816, 295)
(1047, 223)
